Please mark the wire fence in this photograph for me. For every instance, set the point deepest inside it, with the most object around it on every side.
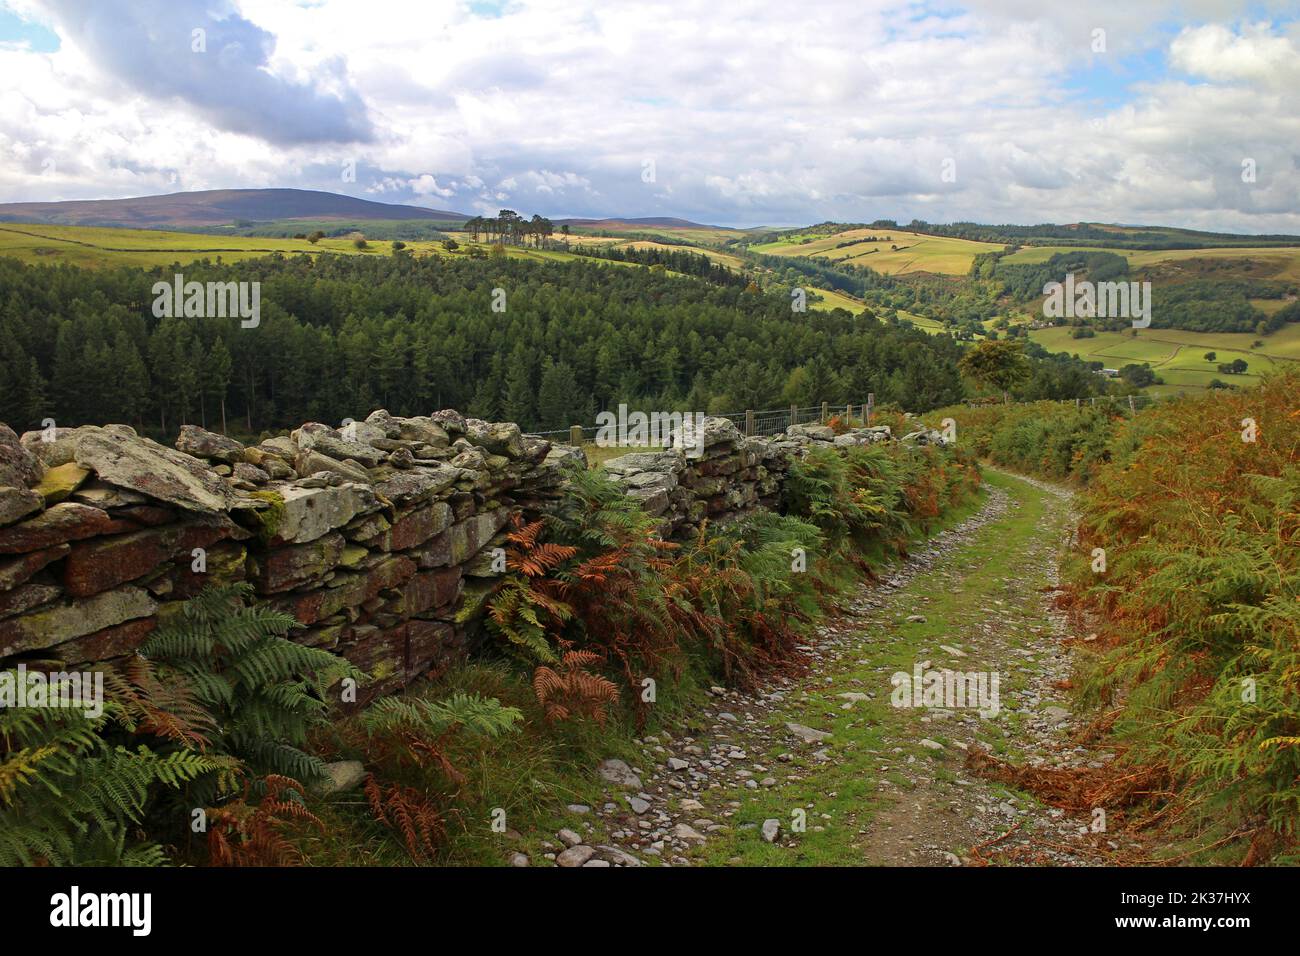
(775, 421)
(1121, 402)
(753, 422)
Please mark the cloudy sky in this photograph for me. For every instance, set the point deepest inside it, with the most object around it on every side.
(741, 112)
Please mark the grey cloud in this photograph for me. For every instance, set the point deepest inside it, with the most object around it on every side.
(146, 45)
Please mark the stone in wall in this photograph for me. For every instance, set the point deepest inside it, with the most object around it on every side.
(63, 619)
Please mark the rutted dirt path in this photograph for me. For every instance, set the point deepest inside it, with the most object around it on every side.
(827, 770)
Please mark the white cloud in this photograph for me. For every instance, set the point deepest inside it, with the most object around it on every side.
(426, 185)
(752, 111)
(1255, 54)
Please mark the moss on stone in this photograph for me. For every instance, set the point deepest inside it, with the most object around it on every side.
(268, 519)
(61, 481)
(352, 556)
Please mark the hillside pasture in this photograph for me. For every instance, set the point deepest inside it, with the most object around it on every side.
(103, 247)
(697, 234)
(830, 299)
(98, 247)
(1178, 356)
(873, 248)
(1279, 263)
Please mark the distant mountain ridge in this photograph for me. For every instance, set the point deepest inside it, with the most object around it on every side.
(216, 207)
(618, 222)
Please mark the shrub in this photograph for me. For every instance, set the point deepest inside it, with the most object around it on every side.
(1201, 645)
(870, 495)
(745, 592)
(1045, 439)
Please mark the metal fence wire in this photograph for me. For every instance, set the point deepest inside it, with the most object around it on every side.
(775, 421)
(764, 422)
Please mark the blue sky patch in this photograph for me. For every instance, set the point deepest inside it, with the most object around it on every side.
(14, 29)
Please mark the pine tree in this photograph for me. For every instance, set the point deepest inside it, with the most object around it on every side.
(487, 401)
(15, 373)
(37, 406)
(520, 400)
(132, 379)
(556, 397)
(67, 377)
(216, 376)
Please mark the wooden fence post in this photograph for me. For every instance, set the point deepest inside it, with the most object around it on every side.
(794, 414)
(575, 434)
(749, 422)
(871, 406)
(825, 412)
(1131, 409)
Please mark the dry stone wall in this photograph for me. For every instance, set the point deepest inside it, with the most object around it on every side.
(731, 474)
(366, 535)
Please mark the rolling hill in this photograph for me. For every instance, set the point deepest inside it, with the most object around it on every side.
(663, 222)
(215, 207)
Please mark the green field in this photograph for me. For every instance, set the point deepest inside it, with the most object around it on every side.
(1178, 356)
(98, 247)
(914, 253)
(105, 247)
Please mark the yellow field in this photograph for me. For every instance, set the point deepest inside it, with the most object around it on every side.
(914, 252)
(726, 259)
(715, 236)
(706, 234)
(1287, 260)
